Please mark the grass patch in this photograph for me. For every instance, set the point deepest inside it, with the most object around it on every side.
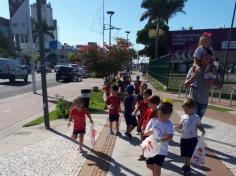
(156, 84)
(52, 116)
(217, 108)
(96, 106)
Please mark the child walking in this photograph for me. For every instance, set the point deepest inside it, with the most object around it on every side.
(163, 127)
(137, 85)
(189, 123)
(129, 104)
(78, 113)
(113, 104)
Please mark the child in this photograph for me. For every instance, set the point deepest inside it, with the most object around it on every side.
(137, 85)
(78, 114)
(106, 91)
(142, 106)
(113, 102)
(204, 42)
(211, 73)
(129, 104)
(163, 127)
(139, 97)
(189, 123)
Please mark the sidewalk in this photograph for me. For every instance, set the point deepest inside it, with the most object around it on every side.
(35, 151)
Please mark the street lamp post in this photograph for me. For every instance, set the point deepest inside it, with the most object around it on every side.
(42, 60)
(228, 46)
(110, 27)
(127, 32)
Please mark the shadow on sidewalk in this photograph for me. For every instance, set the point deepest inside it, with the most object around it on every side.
(99, 158)
(134, 141)
(222, 156)
(169, 165)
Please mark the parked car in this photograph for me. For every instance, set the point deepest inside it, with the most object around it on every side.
(67, 73)
(84, 72)
(47, 69)
(12, 70)
(27, 68)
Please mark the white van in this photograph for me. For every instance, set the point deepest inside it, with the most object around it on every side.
(12, 70)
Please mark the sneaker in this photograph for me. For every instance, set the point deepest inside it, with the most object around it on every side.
(141, 158)
(128, 135)
(118, 133)
(186, 170)
(111, 132)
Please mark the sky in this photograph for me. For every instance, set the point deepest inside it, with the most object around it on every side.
(80, 21)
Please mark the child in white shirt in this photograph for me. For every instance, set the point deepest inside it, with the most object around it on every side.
(189, 124)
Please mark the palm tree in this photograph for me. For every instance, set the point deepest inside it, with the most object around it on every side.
(47, 30)
(161, 11)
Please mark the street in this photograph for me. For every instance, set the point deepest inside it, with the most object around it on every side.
(20, 87)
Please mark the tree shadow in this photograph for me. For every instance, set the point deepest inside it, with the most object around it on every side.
(15, 84)
(169, 165)
(222, 156)
(100, 159)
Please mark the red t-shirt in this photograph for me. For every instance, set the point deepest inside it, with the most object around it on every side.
(106, 88)
(137, 85)
(148, 115)
(79, 118)
(114, 102)
(143, 106)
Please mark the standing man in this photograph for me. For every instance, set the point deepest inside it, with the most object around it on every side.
(200, 94)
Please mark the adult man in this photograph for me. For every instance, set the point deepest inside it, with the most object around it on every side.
(200, 93)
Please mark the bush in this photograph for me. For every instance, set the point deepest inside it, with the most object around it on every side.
(62, 107)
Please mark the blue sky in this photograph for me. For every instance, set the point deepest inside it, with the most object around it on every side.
(80, 21)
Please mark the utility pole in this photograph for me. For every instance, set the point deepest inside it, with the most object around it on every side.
(42, 60)
(110, 27)
(30, 42)
(127, 32)
(229, 41)
(103, 23)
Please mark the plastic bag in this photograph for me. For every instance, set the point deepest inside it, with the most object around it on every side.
(104, 97)
(151, 146)
(92, 134)
(199, 152)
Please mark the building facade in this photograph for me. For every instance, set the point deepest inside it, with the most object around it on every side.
(183, 43)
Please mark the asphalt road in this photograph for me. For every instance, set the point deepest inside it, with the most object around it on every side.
(8, 89)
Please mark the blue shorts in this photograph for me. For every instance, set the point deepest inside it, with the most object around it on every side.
(131, 120)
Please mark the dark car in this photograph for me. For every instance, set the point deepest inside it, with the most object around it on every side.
(66, 73)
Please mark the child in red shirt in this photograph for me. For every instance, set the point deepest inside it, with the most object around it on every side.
(137, 85)
(142, 107)
(150, 113)
(113, 103)
(78, 113)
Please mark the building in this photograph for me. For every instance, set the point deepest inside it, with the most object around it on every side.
(5, 27)
(5, 30)
(182, 44)
(63, 53)
(47, 15)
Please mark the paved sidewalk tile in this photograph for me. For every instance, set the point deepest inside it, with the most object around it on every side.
(56, 155)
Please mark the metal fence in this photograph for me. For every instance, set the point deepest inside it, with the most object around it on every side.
(160, 69)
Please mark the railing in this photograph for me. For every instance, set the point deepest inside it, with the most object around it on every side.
(231, 96)
(212, 94)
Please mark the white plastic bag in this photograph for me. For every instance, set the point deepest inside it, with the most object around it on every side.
(151, 146)
(92, 134)
(104, 97)
(199, 152)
